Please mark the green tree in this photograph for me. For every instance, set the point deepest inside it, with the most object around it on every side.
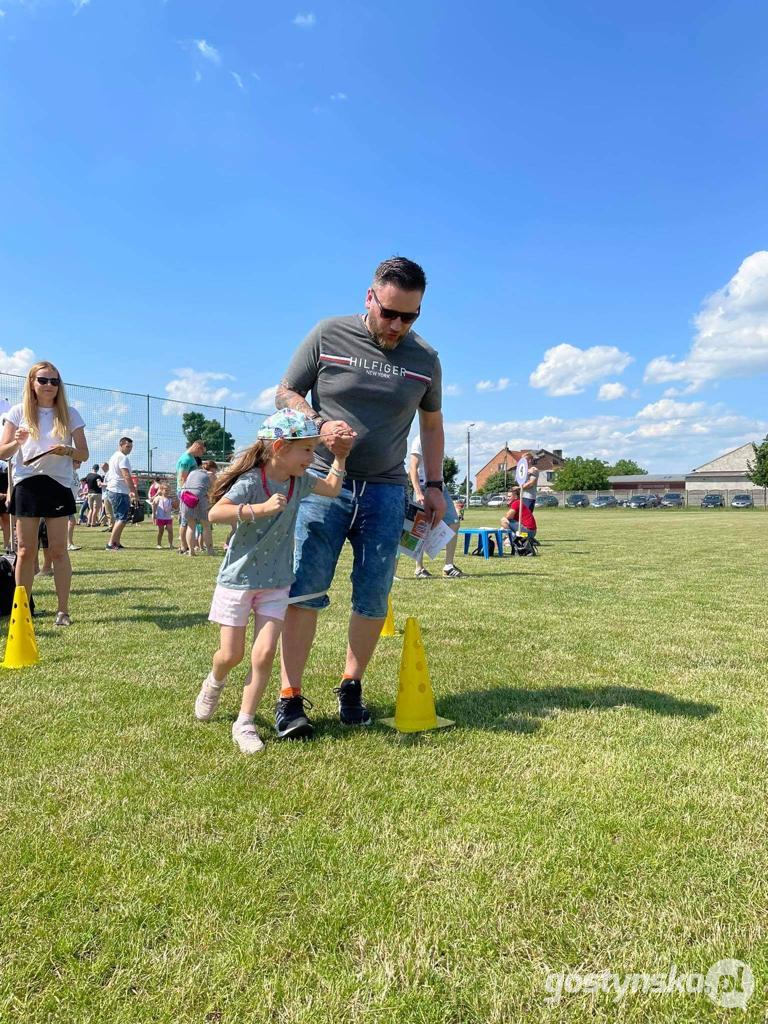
(579, 474)
(626, 467)
(450, 471)
(219, 443)
(757, 471)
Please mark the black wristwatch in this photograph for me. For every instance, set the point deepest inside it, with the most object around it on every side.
(434, 483)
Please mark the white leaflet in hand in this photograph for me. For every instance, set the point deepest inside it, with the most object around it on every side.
(436, 539)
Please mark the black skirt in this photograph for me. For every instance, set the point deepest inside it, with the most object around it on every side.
(41, 497)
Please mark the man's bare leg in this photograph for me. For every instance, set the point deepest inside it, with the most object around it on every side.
(363, 637)
(298, 635)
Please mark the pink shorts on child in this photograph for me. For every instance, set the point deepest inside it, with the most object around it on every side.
(234, 607)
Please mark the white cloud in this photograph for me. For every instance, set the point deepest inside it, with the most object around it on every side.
(79, 5)
(676, 444)
(198, 75)
(307, 20)
(666, 409)
(339, 96)
(568, 370)
(265, 401)
(254, 75)
(17, 362)
(488, 385)
(207, 51)
(238, 80)
(611, 391)
(731, 332)
(203, 388)
(451, 390)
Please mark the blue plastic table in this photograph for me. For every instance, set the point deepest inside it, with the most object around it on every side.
(483, 533)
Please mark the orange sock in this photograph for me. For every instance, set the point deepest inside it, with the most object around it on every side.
(290, 691)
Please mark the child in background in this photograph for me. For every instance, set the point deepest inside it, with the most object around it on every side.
(162, 508)
(71, 546)
(259, 494)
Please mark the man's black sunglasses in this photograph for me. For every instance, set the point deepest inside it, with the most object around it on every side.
(393, 314)
(49, 380)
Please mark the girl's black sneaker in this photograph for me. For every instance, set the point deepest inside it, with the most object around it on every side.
(291, 722)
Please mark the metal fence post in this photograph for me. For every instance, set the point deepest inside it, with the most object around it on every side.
(224, 435)
(149, 442)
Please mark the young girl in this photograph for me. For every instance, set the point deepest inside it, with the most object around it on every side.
(162, 507)
(260, 495)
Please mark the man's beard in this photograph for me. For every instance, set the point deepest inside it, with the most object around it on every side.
(375, 328)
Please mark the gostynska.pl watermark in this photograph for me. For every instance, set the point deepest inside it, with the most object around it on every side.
(728, 983)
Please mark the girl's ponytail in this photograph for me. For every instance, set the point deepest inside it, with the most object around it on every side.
(252, 457)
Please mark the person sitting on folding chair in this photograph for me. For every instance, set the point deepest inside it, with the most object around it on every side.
(515, 523)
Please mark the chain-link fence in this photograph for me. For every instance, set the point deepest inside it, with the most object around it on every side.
(154, 424)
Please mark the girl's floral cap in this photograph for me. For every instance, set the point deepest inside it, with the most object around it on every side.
(287, 425)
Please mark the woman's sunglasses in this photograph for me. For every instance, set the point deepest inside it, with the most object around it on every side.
(49, 380)
(393, 314)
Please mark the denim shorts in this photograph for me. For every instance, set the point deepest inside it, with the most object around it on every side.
(370, 517)
(451, 516)
(121, 505)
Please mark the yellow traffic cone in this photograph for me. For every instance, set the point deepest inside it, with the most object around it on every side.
(388, 629)
(415, 707)
(21, 648)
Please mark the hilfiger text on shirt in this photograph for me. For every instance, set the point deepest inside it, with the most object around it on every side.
(374, 367)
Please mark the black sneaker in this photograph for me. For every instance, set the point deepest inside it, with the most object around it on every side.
(352, 711)
(291, 722)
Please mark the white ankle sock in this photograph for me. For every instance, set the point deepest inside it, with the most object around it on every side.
(213, 681)
(244, 719)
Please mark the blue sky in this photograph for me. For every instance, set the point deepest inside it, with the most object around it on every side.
(187, 186)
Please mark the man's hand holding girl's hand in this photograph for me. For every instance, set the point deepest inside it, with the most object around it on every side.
(338, 437)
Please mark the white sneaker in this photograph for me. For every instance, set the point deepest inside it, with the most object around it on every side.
(208, 699)
(73, 547)
(246, 737)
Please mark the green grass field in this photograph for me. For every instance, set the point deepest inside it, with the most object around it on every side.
(599, 805)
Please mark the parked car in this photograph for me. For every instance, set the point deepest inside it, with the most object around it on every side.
(547, 501)
(712, 501)
(643, 501)
(673, 499)
(475, 500)
(497, 500)
(604, 501)
(742, 501)
(577, 501)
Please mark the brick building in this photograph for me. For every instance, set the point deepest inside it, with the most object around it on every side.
(547, 464)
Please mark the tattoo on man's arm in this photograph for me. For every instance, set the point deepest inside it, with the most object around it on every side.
(287, 399)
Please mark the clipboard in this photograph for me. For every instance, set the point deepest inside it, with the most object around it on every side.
(36, 458)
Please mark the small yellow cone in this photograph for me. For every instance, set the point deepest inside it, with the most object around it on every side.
(388, 629)
(21, 647)
(415, 707)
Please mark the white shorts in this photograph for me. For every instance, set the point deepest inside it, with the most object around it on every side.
(234, 607)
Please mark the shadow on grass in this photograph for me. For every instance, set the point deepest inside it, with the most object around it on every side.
(471, 576)
(113, 591)
(520, 710)
(164, 619)
(103, 572)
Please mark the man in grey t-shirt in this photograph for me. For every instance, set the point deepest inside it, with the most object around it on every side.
(368, 376)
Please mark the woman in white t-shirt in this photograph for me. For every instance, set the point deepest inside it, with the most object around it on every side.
(43, 428)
